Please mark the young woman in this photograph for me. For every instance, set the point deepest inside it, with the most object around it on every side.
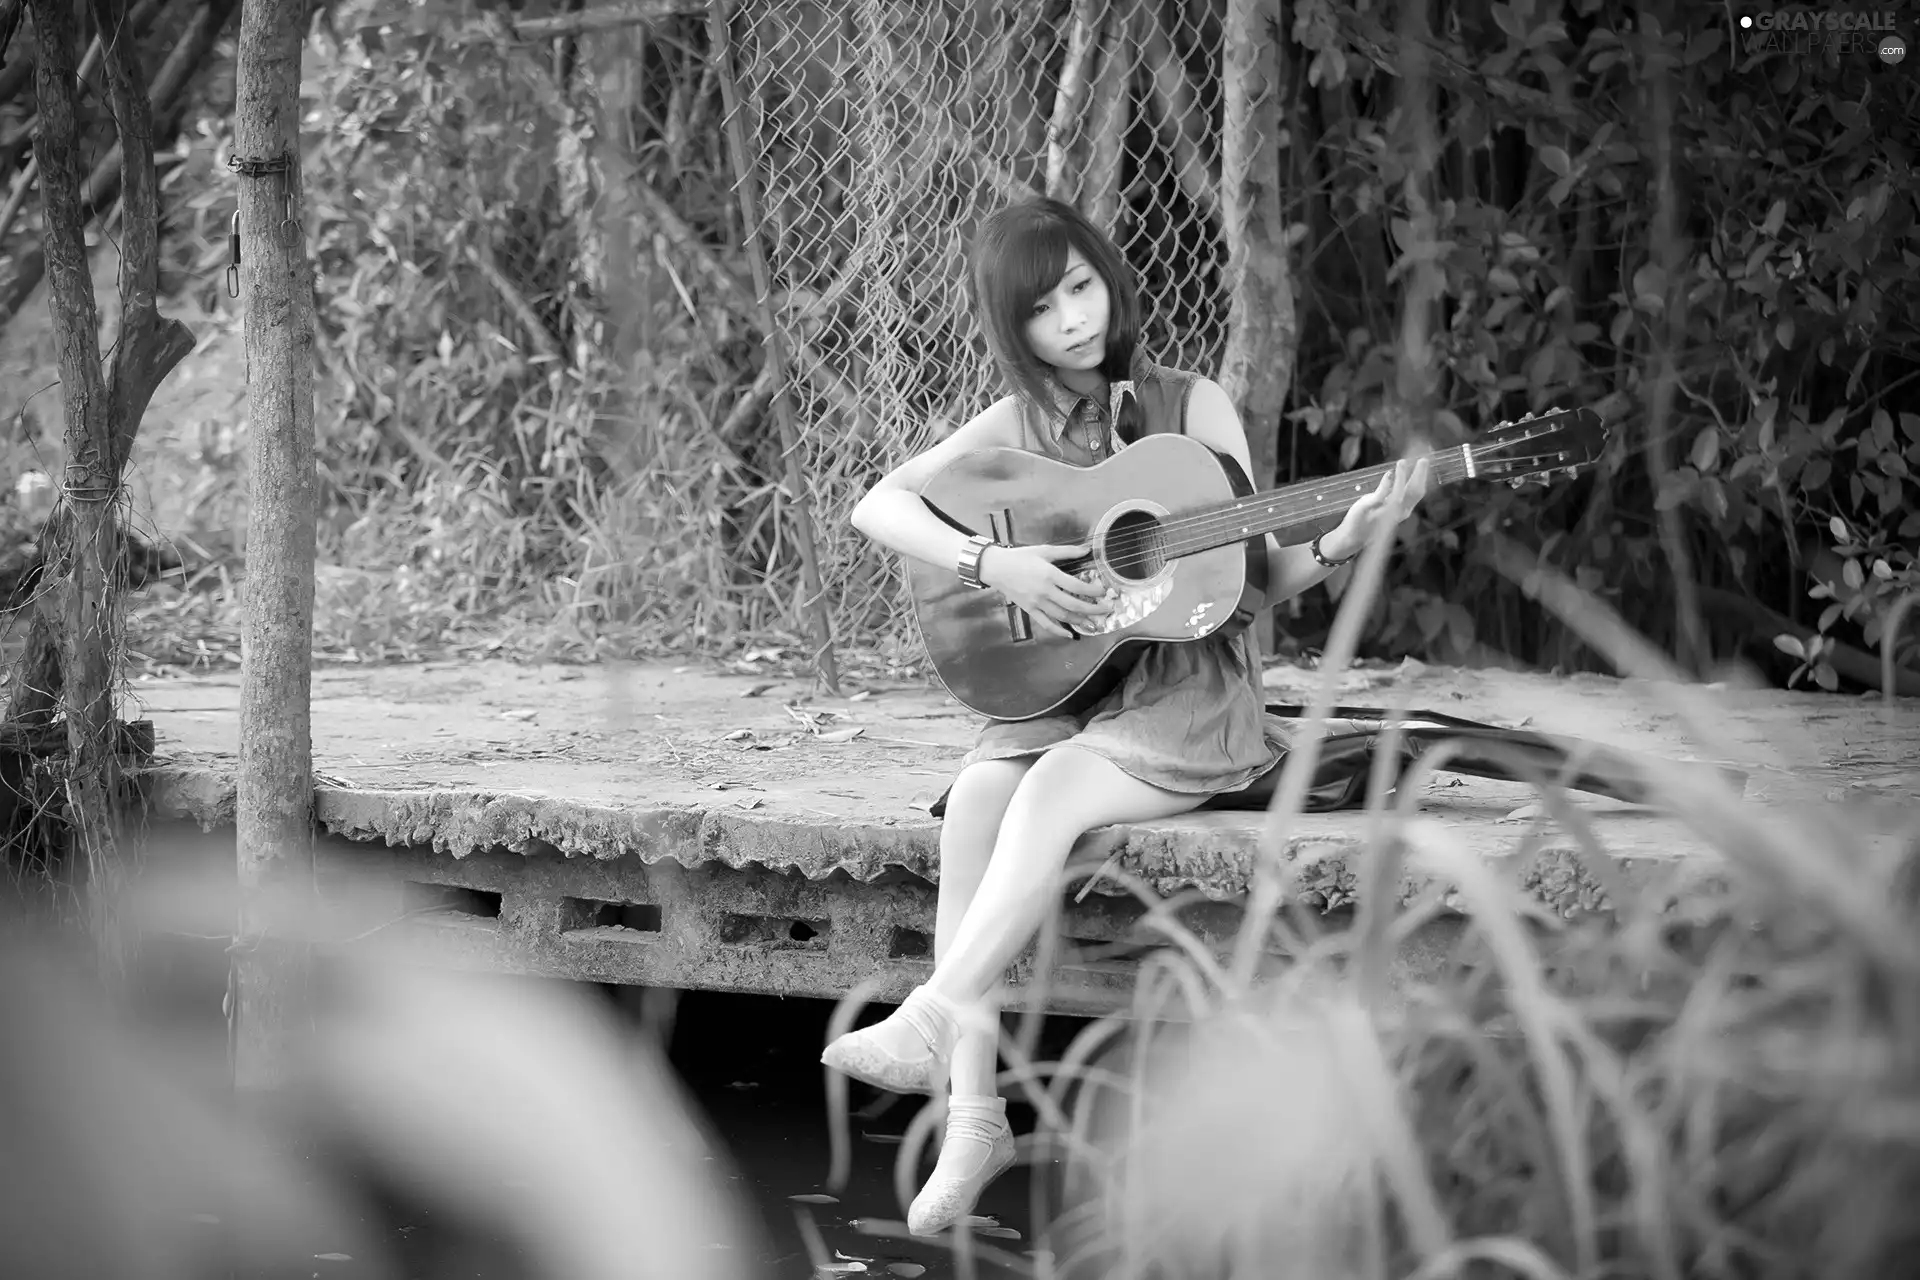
(1059, 308)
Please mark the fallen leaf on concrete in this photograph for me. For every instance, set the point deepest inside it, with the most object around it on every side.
(749, 802)
(842, 735)
(527, 713)
(1525, 813)
(814, 1197)
(738, 735)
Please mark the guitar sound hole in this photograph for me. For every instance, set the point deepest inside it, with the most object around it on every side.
(1135, 546)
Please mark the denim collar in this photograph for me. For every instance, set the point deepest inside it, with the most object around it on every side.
(1069, 406)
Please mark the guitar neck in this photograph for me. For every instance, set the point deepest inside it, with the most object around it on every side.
(1311, 503)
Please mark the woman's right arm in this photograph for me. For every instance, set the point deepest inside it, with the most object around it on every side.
(894, 515)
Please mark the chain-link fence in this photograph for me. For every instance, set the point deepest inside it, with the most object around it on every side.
(876, 134)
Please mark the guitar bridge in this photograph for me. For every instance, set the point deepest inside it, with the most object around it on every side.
(1019, 625)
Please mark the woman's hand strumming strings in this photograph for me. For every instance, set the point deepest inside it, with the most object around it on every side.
(1059, 603)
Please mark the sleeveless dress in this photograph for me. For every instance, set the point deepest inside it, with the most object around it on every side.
(1188, 717)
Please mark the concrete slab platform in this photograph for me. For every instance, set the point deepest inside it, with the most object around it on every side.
(545, 786)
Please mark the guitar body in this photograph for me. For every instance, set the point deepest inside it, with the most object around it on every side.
(986, 652)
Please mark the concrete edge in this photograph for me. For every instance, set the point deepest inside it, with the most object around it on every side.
(1213, 855)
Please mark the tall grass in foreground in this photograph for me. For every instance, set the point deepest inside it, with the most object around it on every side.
(1720, 1079)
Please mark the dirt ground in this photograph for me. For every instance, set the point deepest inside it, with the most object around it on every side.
(658, 734)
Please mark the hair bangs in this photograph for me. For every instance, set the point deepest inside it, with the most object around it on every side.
(1032, 261)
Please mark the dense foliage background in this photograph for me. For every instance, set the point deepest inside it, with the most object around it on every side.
(543, 417)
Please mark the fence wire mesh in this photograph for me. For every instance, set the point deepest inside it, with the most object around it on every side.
(878, 134)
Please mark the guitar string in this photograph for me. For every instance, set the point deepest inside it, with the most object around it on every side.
(1205, 525)
(1446, 461)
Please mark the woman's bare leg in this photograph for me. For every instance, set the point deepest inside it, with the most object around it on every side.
(1067, 793)
(967, 836)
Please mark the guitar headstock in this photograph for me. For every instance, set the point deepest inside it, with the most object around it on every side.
(1535, 448)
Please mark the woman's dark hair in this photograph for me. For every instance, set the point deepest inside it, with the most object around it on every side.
(1019, 255)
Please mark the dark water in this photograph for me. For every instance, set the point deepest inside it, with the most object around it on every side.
(750, 1066)
(752, 1063)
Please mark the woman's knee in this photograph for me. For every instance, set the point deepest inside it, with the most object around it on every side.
(975, 807)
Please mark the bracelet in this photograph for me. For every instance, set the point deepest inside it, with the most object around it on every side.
(1322, 560)
(969, 563)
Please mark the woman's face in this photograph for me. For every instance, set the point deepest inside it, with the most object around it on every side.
(1068, 326)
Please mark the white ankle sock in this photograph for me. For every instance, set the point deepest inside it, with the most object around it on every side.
(976, 1149)
(973, 1122)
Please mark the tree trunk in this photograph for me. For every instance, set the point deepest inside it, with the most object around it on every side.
(1256, 368)
(275, 804)
(168, 98)
(1109, 114)
(11, 11)
(75, 593)
(36, 688)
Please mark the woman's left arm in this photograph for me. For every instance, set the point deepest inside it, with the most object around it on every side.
(1213, 421)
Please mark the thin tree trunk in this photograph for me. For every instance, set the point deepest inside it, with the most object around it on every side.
(1064, 124)
(36, 687)
(1108, 115)
(1262, 337)
(1183, 125)
(11, 11)
(168, 99)
(274, 821)
(813, 610)
(76, 590)
(12, 79)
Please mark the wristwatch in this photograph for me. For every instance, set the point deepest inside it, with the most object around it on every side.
(969, 565)
(1320, 556)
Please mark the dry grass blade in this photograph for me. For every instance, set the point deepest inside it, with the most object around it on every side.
(1303, 754)
(1517, 1256)
(1597, 862)
(1889, 641)
(839, 1129)
(1542, 1017)
(1395, 1145)
(1771, 841)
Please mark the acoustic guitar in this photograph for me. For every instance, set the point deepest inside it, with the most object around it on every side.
(1176, 530)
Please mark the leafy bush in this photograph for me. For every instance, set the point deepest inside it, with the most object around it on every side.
(1754, 352)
